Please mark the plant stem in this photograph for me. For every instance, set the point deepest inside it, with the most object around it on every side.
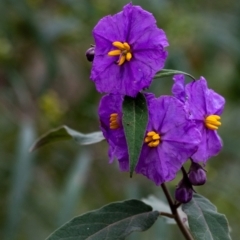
(168, 196)
(175, 214)
(169, 215)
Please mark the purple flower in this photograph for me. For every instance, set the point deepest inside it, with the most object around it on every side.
(129, 51)
(110, 115)
(170, 140)
(205, 107)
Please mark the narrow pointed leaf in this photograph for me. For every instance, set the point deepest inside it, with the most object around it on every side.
(204, 220)
(171, 72)
(111, 222)
(65, 133)
(135, 118)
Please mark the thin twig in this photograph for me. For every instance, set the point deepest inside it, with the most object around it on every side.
(168, 196)
(169, 215)
(175, 214)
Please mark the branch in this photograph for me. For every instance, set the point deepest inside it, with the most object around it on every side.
(173, 206)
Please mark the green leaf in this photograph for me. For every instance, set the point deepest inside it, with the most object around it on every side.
(171, 72)
(135, 118)
(65, 133)
(204, 221)
(111, 222)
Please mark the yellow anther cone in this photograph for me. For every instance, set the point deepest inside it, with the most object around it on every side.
(114, 53)
(212, 122)
(123, 51)
(152, 139)
(118, 45)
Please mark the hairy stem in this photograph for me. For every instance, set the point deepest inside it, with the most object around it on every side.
(173, 206)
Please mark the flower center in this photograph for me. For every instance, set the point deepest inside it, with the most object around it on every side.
(212, 122)
(123, 51)
(113, 121)
(152, 138)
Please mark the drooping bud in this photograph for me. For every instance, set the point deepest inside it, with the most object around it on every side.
(184, 190)
(197, 175)
(90, 53)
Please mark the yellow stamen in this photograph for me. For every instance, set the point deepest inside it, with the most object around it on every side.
(113, 121)
(150, 144)
(147, 139)
(119, 45)
(114, 127)
(156, 137)
(152, 139)
(126, 46)
(150, 134)
(128, 56)
(154, 143)
(211, 127)
(123, 51)
(212, 122)
(122, 60)
(114, 53)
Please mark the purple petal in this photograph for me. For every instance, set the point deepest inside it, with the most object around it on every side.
(150, 165)
(162, 163)
(215, 103)
(124, 163)
(150, 39)
(153, 59)
(202, 100)
(117, 143)
(112, 78)
(142, 28)
(196, 93)
(179, 140)
(210, 145)
(166, 113)
(111, 28)
(102, 67)
(179, 144)
(137, 27)
(178, 88)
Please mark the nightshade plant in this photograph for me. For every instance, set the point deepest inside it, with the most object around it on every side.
(149, 135)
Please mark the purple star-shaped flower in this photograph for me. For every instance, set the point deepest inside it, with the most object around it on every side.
(205, 107)
(110, 115)
(129, 51)
(170, 140)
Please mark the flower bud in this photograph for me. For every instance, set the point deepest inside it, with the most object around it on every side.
(196, 174)
(90, 53)
(184, 190)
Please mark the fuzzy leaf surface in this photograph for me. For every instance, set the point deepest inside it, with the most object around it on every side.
(64, 133)
(111, 222)
(204, 221)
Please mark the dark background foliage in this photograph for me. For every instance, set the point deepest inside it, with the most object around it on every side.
(44, 83)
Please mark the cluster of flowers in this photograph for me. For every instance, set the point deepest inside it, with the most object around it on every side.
(129, 50)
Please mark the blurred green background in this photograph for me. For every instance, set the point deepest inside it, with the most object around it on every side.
(44, 83)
